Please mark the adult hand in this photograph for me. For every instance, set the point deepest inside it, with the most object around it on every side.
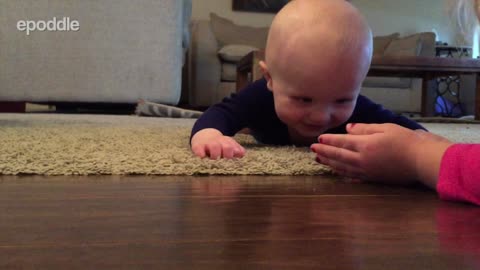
(212, 143)
(383, 153)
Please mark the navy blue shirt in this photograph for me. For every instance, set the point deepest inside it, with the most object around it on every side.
(253, 108)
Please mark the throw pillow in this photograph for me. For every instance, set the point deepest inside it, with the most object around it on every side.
(380, 43)
(427, 46)
(407, 46)
(227, 32)
(233, 53)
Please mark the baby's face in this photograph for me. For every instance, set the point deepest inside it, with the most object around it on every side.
(312, 108)
(315, 72)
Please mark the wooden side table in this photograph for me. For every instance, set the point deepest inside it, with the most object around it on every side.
(448, 89)
(248, 69)
(453, 51)
(428, 68)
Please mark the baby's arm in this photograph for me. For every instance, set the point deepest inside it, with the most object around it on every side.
(212, 143)
(212, 132)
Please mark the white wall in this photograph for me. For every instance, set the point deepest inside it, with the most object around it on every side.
(202, 9)
(407, 17)
(384, 16)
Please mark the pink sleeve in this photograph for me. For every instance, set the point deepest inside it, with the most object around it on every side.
(459, 177)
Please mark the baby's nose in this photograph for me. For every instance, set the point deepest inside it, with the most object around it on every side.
(319, 117)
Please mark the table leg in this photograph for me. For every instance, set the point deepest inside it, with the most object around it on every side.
(257, 73)
(427, 77)
(242, 79)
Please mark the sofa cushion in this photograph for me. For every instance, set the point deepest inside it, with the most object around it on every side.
(428, 43)
(229, 72)
(406, 46)
(227, 32)
(380, 43)
(387, 82)
(124, 51)
(233, 53)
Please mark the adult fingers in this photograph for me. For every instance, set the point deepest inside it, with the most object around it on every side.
(342, 168)
(365, 129)
(345, 141)
(337, 154)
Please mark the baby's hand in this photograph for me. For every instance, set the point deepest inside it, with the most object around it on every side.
(212, 143)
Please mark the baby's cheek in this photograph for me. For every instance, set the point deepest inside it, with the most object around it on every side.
(297, 114)
(341, 115)
(290, 113)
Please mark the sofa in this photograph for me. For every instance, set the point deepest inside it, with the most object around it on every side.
(121, 52)
(217, 45)
(212, 73)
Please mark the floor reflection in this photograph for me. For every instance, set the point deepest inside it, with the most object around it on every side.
(296, 222)
(233, 222)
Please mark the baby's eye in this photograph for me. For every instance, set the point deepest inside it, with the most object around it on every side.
(303, 99)
(343, 101)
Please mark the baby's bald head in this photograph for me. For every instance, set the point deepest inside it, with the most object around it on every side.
(311, 36)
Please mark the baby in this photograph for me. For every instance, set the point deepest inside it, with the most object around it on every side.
(317, 55)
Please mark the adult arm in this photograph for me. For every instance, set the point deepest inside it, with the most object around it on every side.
(459, 176)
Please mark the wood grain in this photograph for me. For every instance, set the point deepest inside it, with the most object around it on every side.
(261, 222)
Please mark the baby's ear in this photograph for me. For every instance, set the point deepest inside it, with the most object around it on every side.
(266, 74)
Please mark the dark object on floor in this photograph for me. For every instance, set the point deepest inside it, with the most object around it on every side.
(12, 107)
(95, 108)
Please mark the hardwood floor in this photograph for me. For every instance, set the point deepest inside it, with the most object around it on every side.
(151, 222)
